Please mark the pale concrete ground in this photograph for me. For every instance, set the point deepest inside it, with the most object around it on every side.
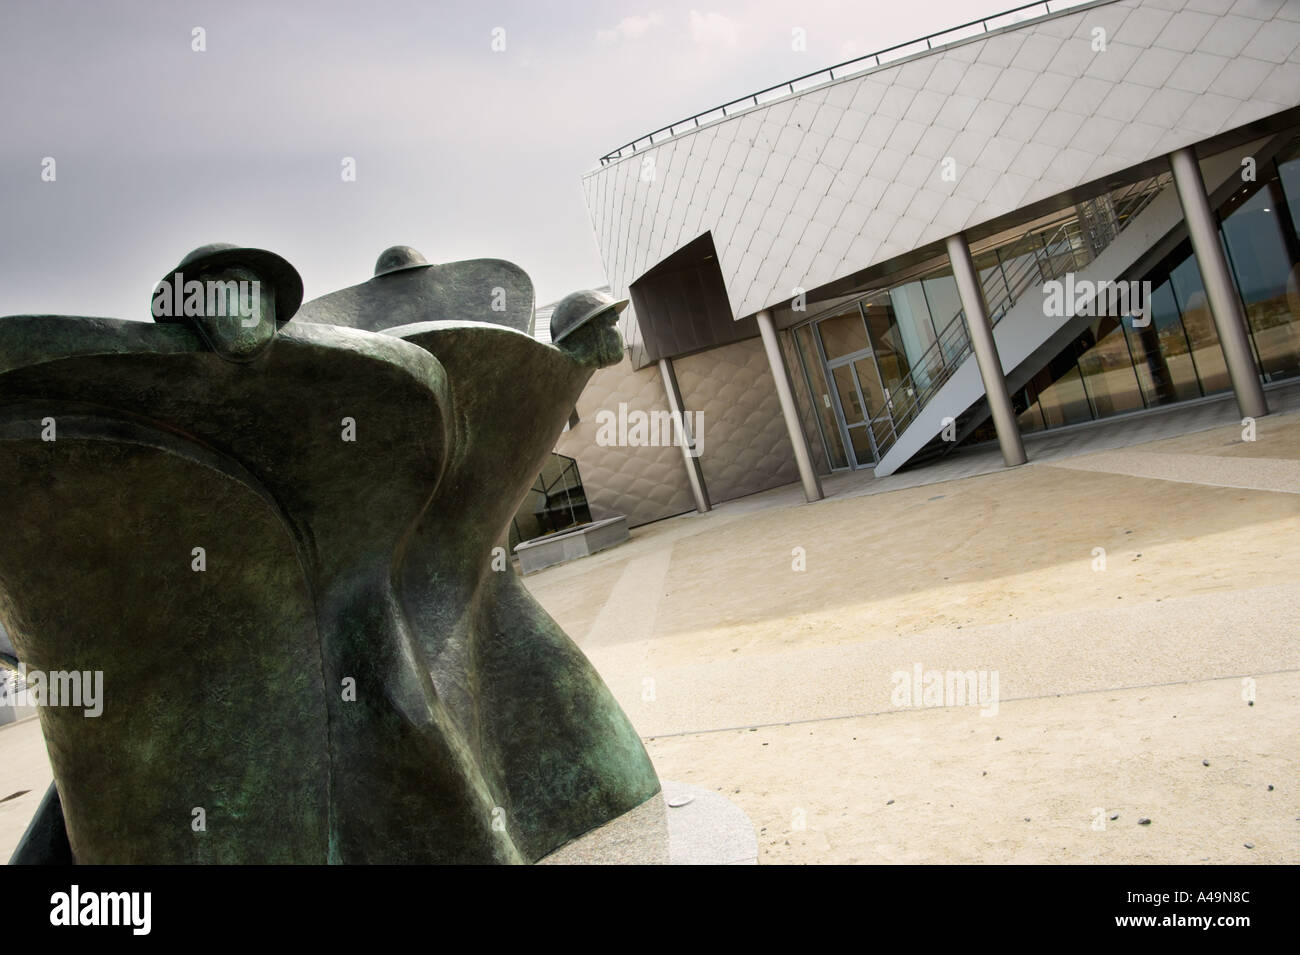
(23, 766)
(773, 685)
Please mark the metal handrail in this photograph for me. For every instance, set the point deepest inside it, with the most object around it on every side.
(938, 362)
(955, 328)
(829, 72)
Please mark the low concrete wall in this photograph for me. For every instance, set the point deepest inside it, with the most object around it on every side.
(552, 549)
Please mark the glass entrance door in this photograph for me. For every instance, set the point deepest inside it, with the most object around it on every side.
(855, 384)
(845, 384)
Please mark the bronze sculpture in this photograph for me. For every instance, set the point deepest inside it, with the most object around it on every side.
(277, 543)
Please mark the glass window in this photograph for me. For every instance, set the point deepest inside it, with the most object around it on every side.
(883, 429)
(1288, 171)
(1199, 325)
(915, 329)
(1107, 369)
(943, 299)
(862, 445)
(869, 383)
(843, 334)
(1062, 250)
(1059, 393)
(1256, 242)
(1020, 265)
(948, 316)
(821, 397)
(887, 342)
(996, 293)
(1065, 401)
(1162, 359)
(1031, 419)
(847, 391)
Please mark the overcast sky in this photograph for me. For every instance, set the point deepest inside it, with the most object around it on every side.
(460, 150)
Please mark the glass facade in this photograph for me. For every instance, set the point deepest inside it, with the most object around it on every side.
(1114, 367)
(866, 361)
(872, 365)
(1259, 235)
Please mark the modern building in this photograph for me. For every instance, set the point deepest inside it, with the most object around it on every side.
(925, 248)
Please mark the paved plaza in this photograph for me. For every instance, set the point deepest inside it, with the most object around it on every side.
(1116, 686)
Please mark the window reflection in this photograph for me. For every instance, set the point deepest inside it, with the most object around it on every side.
(1198, 323)
(1161, 356)
(846, 388)
(843, 334)
(1260, 240)
(821, 396)
(1107, 369)
(887, 341)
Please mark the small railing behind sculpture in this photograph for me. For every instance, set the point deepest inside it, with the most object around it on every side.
(556, 501)
(1054, 249)
(847, 68)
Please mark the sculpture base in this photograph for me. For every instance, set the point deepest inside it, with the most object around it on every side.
(682, 825)
(558, 548)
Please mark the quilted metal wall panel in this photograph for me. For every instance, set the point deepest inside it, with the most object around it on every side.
(681, 305)
(746, 447)
(645, 483)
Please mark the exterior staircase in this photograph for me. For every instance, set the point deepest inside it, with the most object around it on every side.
(1101, 239)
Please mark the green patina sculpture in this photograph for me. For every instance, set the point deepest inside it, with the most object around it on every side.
(274, 535)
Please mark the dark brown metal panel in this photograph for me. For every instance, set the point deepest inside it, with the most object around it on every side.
(682, 306)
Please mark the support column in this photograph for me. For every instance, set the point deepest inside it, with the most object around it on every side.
(986, 350)
(1225, 304)
(812, 486)
(694, 473)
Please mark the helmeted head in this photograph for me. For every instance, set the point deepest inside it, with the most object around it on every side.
(583, 325)
(270, 268)
(578, 308)
(397, 259)
(235, 297)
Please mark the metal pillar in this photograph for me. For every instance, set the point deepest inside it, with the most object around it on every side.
(1225, 304)
(812, 486)
(694, 474)
(986, 350)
